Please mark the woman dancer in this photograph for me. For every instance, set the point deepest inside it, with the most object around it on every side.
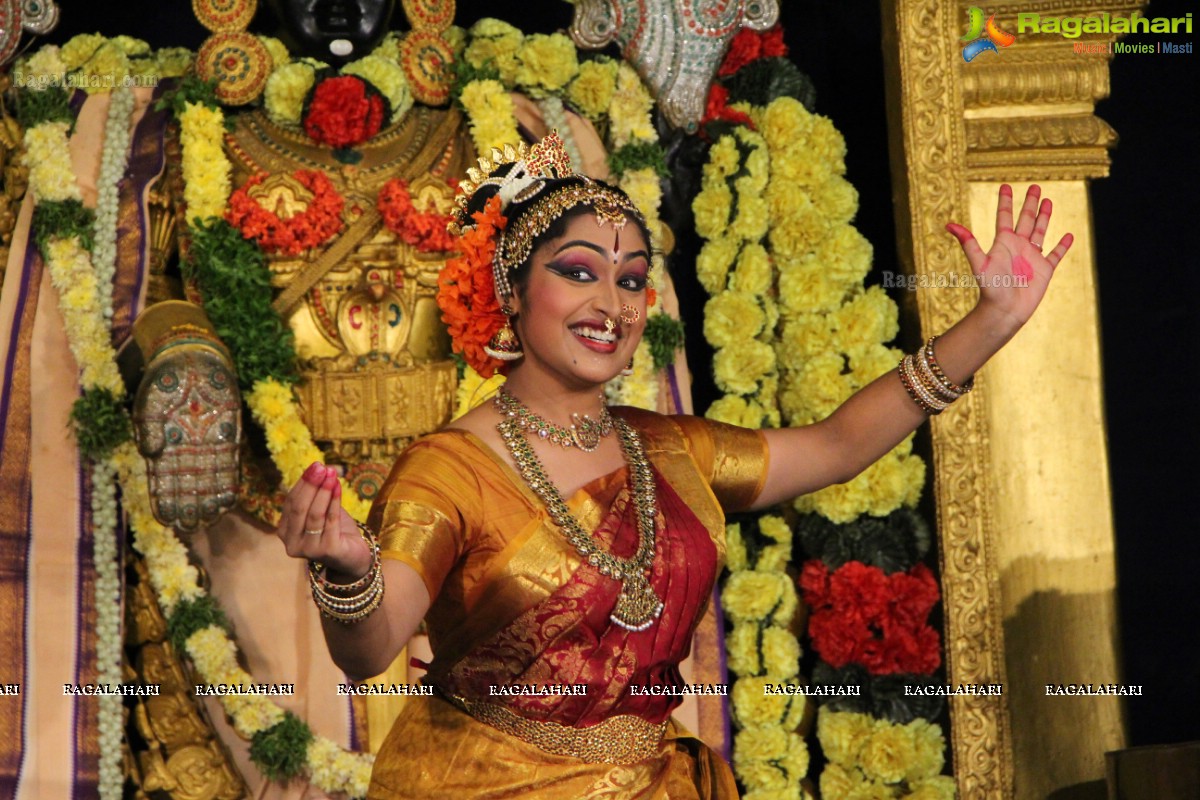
(562, 552)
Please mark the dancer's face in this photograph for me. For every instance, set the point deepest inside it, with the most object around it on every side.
(578, 282)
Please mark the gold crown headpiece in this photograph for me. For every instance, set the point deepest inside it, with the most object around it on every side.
(532, 169)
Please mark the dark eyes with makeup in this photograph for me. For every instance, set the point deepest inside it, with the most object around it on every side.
(633, 282)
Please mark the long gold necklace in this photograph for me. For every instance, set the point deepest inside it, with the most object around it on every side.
(584, 432)
(638, 605)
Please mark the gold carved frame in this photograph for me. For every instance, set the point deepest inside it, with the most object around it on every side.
(1028, 571)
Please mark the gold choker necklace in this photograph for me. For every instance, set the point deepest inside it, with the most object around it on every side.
(638, 605)
(584, 433)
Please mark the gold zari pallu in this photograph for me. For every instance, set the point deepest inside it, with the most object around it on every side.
(620, 739)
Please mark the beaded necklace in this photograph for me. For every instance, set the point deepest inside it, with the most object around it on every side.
(638, 605)
(584, 432)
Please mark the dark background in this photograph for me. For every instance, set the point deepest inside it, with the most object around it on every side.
(1146, 266)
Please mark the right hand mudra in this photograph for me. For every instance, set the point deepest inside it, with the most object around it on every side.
(316, 527)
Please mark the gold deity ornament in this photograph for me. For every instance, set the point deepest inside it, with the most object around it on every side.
(39, 17)
(372, 352)
(425, 54)
(186, 414)
(176, 753)
(676, 45)
(236, 60)
(14, 174)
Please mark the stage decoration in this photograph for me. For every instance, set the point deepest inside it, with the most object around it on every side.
(591, 91)
(112, 166)
(424, 229)
(860, 614)
(877, 758)
(343, 111)
(676, 46)
(174, 579)
(221, 16)
(339, 109)
(492, 114)
(235, 62)
(17, 16)
(238, 289)
(287, 214)
(795, 334)
(238, 64)
(426, 53)
(85, 294)
(770, 758)
(205, 167)
(194, 618)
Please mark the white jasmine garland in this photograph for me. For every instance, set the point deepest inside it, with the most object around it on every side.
(112, 168)
(80, 297)
(108, 627)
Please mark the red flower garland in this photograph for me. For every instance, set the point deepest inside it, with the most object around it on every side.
(746, 47)
(343, 111)
(467, 291)
(749, 46)
(861, 615)
(424, 230)
(718, 108)
(313, 227)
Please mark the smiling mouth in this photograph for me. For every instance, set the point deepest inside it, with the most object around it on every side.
(594, 335)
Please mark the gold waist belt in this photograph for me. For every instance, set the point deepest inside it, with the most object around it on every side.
(620, 739)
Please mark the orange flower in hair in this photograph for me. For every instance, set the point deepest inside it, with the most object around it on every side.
(467, 290)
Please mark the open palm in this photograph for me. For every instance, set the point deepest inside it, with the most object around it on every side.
(1013, 274)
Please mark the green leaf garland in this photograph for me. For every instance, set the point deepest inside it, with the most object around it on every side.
(281, 751)
(190, 616)
(62, 218)
(100, 423)
(236, 286)
(665, 335)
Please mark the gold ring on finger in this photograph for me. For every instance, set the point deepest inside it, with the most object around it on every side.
(313, 531)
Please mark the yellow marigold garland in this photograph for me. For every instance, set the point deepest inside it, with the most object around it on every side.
(289, 440)
(760, 600)
(205, 167)
(877, 758)
(804, 267)
(830, 341)
(274, 406)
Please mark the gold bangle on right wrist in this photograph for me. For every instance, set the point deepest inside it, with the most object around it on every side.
(925, 382)
(349, 602)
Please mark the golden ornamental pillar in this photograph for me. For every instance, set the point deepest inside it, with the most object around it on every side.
(1021, 472)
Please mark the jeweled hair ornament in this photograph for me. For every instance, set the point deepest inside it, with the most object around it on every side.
(532, 168)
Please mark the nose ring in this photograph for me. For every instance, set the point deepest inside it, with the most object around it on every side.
(609, 324)
(630, 314)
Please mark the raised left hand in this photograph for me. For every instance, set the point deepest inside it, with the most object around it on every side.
(1013, 274)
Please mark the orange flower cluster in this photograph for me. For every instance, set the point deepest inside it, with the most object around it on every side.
(467, 290)
(424, 230)
(314, 226)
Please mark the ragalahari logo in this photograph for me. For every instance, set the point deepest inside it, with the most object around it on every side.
(981, 37)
